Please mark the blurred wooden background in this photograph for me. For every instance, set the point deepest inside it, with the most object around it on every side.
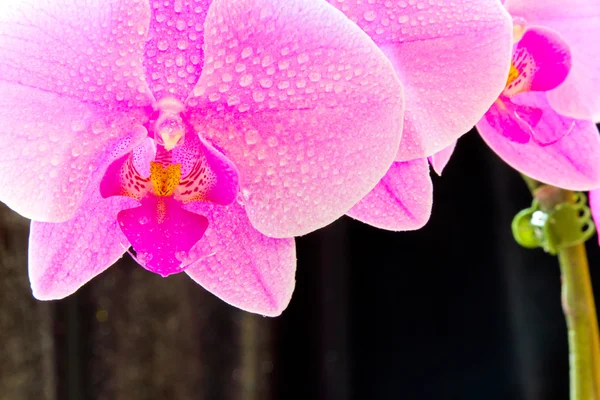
(456, 310)
(126, 336)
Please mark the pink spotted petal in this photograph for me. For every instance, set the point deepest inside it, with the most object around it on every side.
(578, 22)
(451, 56)
(440, 159)
(571, 162)
(64, 256)
(122, 179)
(309, 110)
(174, 54)
(70, 84)
(401, 201)
(162, 233)
(207, 174)
(594, 202)
(242, 266)
(543, 60)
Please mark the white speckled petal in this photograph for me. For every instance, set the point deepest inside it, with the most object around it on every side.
(452, 56)
(71, 83)
(401, 201)
(90, 52)
(64, 256)
(173, 53)
(240, 265)
(304, 104)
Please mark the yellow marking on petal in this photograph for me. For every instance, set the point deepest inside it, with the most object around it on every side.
(518, 32)
(164, 180)
(512, 74)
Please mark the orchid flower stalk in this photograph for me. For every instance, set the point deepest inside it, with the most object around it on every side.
(560, 222)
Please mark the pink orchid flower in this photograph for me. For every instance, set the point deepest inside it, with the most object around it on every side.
(452, 58)
(204, 134)
(542, 124)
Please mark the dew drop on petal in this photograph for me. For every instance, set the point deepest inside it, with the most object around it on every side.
(370, 15)
(251, 136)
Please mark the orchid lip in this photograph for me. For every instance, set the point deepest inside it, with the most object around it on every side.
(172, 167)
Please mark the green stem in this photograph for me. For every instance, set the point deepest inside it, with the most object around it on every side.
(578, 306)
(580, 313)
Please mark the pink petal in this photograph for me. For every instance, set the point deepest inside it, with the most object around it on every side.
(547, 127)
(242, 266)
(162, 233)
(123, 179)
(570, 163)
(309, 110)
(543, 60)
(503, 118)
(594, 202)
(90, 53)
(67, 75)
(51, 146)
(64, 256)
(401, 201)
(439, 160)
(578, 22)
(451, 56)
(174, 54)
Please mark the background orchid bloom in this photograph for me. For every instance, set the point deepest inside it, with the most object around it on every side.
(205, 135)
(452, 58)
(543, 122)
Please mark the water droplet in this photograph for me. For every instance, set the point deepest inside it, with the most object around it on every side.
(78, 126)
(370, 15)
(162, 45)
(246, 52)
(314, 76)
(302, 58)
(251, 136)
(55, 159)
(246, 80)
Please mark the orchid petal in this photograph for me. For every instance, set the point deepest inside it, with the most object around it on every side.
(570, 163)
(309, 110)
(401, 201)
(91, 54)
(64, 256)
(48, 154)
(451, 56)
(503, 118)
(578, 22)
(162, 233)
(546, 126)
(541, 61)
(440, 159)
(174, 54)
(68, 93)
(240, 265)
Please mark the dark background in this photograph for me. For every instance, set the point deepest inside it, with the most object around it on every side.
(456, 310)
